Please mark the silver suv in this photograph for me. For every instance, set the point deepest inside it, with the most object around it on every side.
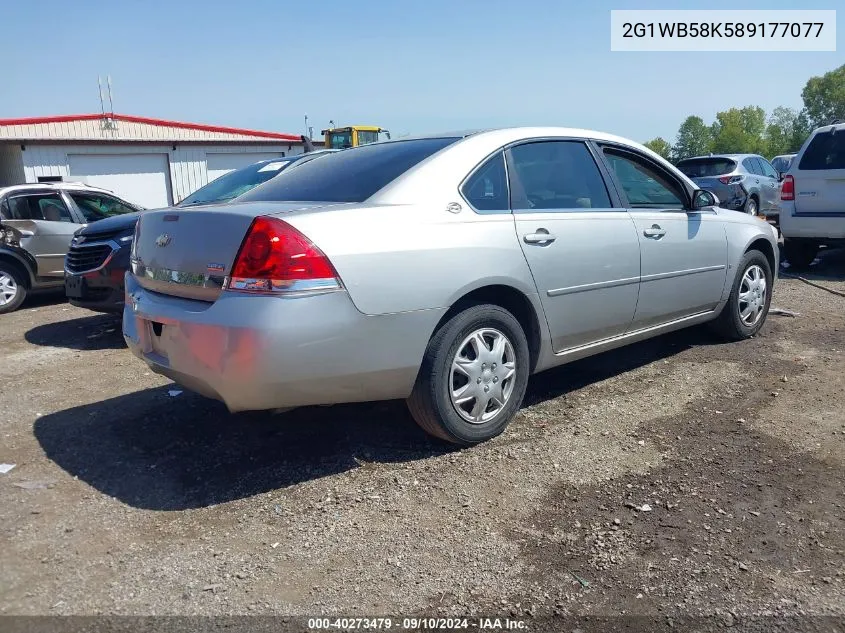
(743, 182)
(37, 223)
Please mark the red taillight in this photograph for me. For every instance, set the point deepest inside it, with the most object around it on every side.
(787, 190)
(275, 257)
(729, 180)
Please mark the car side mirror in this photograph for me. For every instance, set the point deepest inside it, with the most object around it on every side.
(702, 199)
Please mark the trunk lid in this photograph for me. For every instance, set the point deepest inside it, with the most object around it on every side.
(189, 252)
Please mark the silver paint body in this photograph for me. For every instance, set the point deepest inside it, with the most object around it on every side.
(405, 256)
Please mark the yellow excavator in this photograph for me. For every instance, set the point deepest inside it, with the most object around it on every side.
(353, 136)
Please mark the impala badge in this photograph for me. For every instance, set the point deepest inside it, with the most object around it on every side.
(163, 240)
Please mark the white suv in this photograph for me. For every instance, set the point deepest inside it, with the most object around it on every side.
(813, 196)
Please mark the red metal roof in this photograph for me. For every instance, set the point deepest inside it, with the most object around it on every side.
(140, 119)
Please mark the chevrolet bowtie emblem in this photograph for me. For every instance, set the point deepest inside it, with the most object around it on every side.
(163, 240)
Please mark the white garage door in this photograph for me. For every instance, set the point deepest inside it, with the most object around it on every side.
(140, 178)
(223, 163)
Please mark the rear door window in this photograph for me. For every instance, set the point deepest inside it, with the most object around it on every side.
(826, 151)
(352, 175)
(487, 188)
(550, 175)
(47, 206)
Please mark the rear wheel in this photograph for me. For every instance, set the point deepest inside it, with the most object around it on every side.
(12, 288)
(473, 376)
(751, 207)
(748, 305)
(800, 253)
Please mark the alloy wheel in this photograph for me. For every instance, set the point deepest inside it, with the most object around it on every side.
(8, 288)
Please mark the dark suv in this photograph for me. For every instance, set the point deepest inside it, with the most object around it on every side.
(99, 254)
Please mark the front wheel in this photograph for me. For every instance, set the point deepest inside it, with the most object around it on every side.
(748, 305)
(473, 376)
(12, 288)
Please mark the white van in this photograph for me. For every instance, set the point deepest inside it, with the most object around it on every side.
(812, 196)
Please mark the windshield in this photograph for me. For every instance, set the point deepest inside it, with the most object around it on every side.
(704, 167)
(95, 206)
(352, 175)
(236, 183)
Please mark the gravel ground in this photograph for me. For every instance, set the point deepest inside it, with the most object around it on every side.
(676, 477)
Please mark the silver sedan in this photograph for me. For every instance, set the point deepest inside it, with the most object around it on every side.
(444, 270)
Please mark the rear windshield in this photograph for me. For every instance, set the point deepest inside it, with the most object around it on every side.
(236, 183)
(704, 167)
(826, 151)
(352, 175)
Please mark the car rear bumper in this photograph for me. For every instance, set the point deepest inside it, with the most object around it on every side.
(730, 196)
(822, 227)
(258, 352)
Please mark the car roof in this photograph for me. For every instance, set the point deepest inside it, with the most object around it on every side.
(730, 156)
(60, 186)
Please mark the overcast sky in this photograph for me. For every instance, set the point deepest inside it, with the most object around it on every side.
(411, 66)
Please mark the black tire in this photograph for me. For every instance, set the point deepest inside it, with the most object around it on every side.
(729, 324)
(430, 402)
(800, 253)
(15, 274)
(752, 207)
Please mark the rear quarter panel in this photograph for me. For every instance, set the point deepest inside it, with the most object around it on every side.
(399, 258)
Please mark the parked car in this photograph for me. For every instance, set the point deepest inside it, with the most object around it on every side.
(426, 269)
(99, 254)
(744, 182)
(37, 222)
(813, 196)
(781, 163)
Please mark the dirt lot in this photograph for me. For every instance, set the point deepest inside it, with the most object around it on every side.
(676, 477)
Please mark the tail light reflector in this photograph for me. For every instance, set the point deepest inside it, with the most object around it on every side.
(787, 190)
(730, 180)
(276, 258)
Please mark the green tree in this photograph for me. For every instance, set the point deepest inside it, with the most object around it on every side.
(824, 97)
(740, 130)
(660, 146)
(785, 131)
(694, 139)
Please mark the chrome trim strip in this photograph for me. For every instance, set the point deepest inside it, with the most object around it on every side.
(681, 273)
(111, 243)
(599, 285)
(177, 277)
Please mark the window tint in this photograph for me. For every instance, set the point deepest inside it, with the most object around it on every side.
(766, 168)
(48, 206)
(826, 151)
(555, 175)
(352, 175)
(751, 166)
(781, 163)
(704, 167)
(487, 188)
(645, 186)
(97, 206)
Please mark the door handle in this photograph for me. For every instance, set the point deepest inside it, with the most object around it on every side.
(654, 231)
(542, 236)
